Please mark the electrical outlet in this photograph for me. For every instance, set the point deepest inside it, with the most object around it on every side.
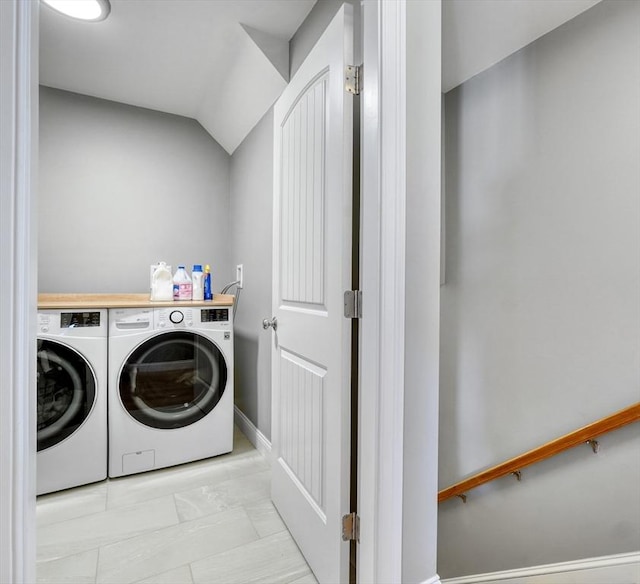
(240, 275)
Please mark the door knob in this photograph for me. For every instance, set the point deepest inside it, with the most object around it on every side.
(273, 323)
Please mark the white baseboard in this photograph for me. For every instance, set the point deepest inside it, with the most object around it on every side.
(433, 580)
(616, 569)
(257, 438)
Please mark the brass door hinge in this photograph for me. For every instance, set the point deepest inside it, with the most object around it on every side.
(351, 527)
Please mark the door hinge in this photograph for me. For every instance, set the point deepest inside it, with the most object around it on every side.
(353, 79)
(353, 304)
(351, 527)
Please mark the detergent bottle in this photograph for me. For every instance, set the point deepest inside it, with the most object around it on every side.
(198, 284)
(161, 283)
(208, 294)
(182, 288)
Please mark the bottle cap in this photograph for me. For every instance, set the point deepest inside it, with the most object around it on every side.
(207, 268)
(197, 267)
(181, 267)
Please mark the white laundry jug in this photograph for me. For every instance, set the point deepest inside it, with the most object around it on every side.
(161, 283)
(197, 278)
(182, 285)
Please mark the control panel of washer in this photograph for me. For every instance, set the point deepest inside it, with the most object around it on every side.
(174, 318)
(214, 315)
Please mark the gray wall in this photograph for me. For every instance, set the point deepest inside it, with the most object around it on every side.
(121, 188)
(251, 212)
(540, 311)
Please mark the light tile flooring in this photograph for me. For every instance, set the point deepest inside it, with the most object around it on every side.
(202, 523)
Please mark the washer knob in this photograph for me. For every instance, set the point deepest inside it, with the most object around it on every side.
(176, 317)
(44, 329)
(189, 323)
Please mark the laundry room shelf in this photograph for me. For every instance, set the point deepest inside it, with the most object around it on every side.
(69, 301)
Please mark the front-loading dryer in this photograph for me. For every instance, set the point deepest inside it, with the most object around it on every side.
(71, 390)
(170, 386)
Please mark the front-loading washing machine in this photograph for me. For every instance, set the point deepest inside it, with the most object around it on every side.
(71, 390)
(170, 386)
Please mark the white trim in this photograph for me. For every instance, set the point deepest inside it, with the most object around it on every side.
(380, 480)
(392, 287)
(369, 383)
(620, 569)
(257, 438)
(18, 255)
(433, 580)
(422, 294)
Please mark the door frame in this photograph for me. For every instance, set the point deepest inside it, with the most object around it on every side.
(382, 261)
(18, 308)
(381, 432)
(400, 275)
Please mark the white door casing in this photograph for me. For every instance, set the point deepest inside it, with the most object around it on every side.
(383, 279)
(313, 134)
(18, 259)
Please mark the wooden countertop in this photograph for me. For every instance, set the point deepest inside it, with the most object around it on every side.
(122, 301)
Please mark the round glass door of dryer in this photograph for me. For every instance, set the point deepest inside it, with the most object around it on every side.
(173, 380)
(66, 392)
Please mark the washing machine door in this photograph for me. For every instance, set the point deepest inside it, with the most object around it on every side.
(173, 380)
(66, 392)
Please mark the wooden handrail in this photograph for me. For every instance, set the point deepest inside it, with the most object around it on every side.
(514, 465)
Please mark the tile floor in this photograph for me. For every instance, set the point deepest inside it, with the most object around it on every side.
(202, 523)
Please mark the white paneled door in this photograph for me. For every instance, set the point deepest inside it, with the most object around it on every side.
(312, 269)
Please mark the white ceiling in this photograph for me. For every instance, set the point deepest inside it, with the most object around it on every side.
(225, 62)
(222, 62)
(479, 33)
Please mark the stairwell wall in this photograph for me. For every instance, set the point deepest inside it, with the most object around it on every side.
(540, 324)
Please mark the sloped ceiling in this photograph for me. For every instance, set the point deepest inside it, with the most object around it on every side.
(222, 62)
(225, 62)
(477, 34)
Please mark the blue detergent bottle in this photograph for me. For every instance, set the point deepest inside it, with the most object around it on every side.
(208, 294)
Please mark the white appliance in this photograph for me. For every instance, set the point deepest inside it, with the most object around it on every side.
(170, 386)
(71, 398)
